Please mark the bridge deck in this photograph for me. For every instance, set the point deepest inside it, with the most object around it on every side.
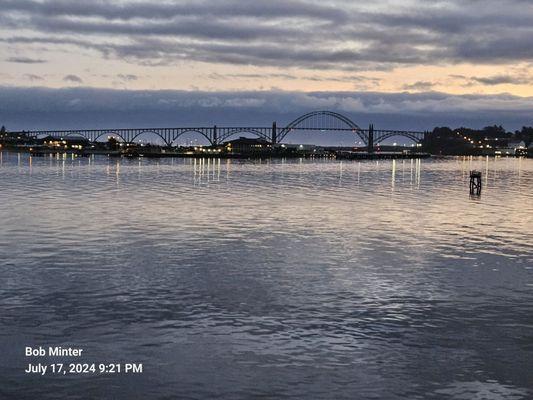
(324, 121)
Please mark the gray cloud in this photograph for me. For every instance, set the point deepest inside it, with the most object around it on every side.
(87, 108)
(73, 79)
(217, 76)
(503, 79)
(516, 78)
(33, 77)
(337, 35)
(420, 86)
(127, 77)
(292, 77)
(25, 60)
(150, 10)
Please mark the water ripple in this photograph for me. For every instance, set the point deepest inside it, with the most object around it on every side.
(276, 279)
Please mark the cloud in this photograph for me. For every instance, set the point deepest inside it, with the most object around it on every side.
(33, 77)
(162, 10)
(127, 77)
(63, 108)
(419, 86)
(217, 76)
(502, 80)
(336, 35)
(73, 79)
(25, 60)
(520, 77)
(240, 102)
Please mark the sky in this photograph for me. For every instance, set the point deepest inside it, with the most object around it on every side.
(405, 64)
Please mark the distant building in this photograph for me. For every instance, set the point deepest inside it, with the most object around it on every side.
(244, 145)
(299, 150)
(299, 147)
(74, 142)
(517, 144)
(513, 148)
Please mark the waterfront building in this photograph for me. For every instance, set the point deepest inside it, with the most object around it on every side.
(513, 148)
(69, 142)
(245, 145)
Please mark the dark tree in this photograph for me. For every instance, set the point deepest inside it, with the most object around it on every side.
(526, 134)
(443, 140)
(112, 143)
(494, 132)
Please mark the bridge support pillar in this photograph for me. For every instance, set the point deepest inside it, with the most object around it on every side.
(371, 138)
(274, 133)
(214, 137)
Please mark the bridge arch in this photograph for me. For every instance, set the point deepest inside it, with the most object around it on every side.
(109, 133)
(253, 131)
(41, 135)
(417, 138)
(322, 117)
(176, 136)
(74, 133)
(165, 140)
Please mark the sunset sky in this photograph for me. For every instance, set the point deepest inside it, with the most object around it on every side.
(442, 59)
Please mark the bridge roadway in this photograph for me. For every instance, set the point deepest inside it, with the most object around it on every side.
(326, 121)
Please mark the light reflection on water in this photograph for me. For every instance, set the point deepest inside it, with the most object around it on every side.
(289, 278)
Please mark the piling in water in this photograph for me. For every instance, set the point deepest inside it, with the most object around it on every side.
(475, 182)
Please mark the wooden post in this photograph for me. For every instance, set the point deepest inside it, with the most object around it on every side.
(475, 182)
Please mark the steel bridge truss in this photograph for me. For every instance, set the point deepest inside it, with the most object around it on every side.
(326, 121)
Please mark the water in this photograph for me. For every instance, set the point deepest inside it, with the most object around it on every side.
(272, 279)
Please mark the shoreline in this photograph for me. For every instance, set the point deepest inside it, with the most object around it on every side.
(337, 155)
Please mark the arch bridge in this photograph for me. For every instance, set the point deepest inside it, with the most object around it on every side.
(324, 121)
